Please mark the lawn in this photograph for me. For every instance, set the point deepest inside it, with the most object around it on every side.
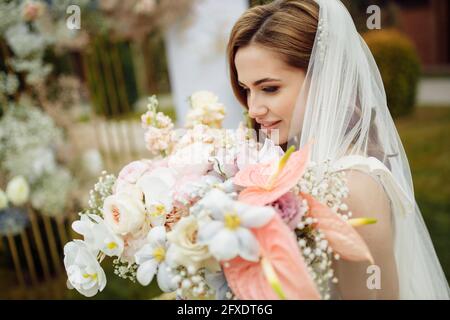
(425, 136)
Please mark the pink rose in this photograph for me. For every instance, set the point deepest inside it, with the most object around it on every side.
(131, 173)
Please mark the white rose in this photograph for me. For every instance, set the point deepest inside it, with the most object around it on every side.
(3, 200)
(83, 270)
(201, 99)
(18, 191)
(185, 250)
(124, 213)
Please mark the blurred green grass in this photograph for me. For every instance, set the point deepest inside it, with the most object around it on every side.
(425, 135)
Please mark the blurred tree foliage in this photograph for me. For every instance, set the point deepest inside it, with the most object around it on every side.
(399, 66)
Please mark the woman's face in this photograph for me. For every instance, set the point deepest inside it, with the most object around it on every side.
(272, 88)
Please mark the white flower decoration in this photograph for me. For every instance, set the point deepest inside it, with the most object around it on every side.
(151, 259)
(157, 187)
(184, 248)
(18, 190)
(227, 235)
(84, 272)
(124, 213)
(98, 236)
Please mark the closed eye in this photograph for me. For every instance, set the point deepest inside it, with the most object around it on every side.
(271, 89)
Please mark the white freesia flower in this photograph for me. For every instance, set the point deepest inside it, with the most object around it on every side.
(227, 235)
(84, 272)
(3, 200)
(184, 248)
(124, 213)
(151, 259)
(157, 187)
(98, 236)
(18, 191)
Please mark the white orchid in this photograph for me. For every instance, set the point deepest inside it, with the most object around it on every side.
(227, 234)
(151, 259)
(98, 236)
(157, 187)
(84, 272)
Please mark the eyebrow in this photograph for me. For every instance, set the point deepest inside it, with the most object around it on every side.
(258, 82)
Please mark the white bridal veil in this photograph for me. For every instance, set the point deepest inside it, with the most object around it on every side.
(342, 107)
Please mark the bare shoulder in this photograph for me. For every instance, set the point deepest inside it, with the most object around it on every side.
(367, 197)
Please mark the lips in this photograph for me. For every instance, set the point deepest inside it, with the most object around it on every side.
(269, 125)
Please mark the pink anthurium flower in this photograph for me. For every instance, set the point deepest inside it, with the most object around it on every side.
(280, 273)
(341, 236)
(266, 182)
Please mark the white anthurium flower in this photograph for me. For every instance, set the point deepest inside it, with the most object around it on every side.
(157, 187)
(18, 190)
(268, 153)
(98, 236)
(83, 270)
(151, 259)
(227, 234)
(124, 213)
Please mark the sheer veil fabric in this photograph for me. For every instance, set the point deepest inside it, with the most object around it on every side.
(342, 107)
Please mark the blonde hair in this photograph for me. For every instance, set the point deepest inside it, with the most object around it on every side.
(288, 27)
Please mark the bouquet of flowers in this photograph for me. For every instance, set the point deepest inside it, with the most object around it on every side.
(216, 214)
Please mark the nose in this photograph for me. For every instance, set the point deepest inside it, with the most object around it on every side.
(256, 108)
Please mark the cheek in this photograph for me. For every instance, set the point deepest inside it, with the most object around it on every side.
(285, 104)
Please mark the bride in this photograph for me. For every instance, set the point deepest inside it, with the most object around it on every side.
(304, 73)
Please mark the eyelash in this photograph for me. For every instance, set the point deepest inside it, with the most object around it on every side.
(271, 89)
